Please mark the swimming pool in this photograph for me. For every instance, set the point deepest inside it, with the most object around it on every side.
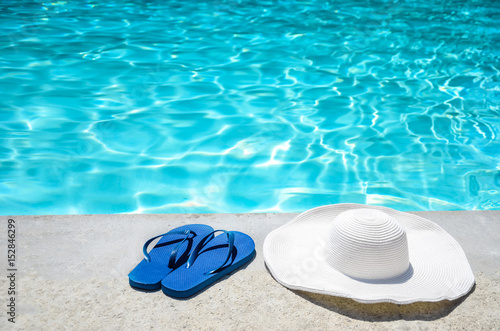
(248, 106)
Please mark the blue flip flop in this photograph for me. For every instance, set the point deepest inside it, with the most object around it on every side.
(171, 251)
(213, 258)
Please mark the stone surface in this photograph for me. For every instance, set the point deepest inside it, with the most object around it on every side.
(72, 274)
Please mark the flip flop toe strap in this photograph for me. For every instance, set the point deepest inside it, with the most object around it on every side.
(204, 242)
(173, 255)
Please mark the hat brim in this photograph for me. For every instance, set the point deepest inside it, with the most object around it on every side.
(439, 270)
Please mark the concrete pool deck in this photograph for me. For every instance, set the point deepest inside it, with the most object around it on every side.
(72, 274)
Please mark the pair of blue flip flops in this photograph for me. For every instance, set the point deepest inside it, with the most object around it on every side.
(189, 258)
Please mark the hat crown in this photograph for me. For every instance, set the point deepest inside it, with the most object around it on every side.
(368, 244)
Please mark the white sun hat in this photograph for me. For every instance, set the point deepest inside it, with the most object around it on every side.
(369, 254)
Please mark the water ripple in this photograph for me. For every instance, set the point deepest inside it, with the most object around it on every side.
(248, 106)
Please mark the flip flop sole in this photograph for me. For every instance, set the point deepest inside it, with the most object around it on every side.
(185, 282)
(148, 275)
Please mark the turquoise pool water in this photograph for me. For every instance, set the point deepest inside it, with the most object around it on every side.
(248, 106)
